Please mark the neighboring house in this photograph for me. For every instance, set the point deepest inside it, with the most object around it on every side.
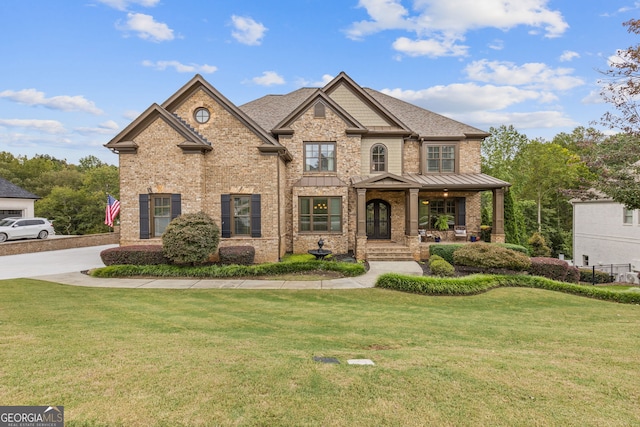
(605, 233)
(347, 164)
(15, 201)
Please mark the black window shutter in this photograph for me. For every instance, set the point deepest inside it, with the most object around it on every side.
(176, 205)
(225, 203)
(461, 210)
(256, 220)
(143, 203)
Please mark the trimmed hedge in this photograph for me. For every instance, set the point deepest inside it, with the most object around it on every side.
(440, 267)
(228, 271)
(134, 255)
(586, 275)
(514, 247)
(242, 255)
(445, 250)
(490, 256)
(475, 284)
(551, 268)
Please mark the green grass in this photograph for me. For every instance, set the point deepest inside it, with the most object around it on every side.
(141, 357)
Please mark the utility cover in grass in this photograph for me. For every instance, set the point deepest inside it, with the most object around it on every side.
(360, 362)
(326, 359)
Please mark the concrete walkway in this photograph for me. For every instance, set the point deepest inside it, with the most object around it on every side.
(367, 280)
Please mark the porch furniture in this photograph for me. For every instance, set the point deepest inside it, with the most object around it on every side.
(460, 232)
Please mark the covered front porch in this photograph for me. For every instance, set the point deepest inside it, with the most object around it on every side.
(403, 210)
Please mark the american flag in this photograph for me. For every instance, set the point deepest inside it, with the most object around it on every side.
(113, 207)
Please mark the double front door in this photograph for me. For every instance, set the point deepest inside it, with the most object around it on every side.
(378, 219)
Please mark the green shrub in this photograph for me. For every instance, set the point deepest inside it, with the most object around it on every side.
(243, 255)
(573, 275)
(490, 256)
(135, 255)
(226, 271)
(551, 268)
(587, 276)
(444, 250)
(190, 239)
(539, 246)
(440, 267)
(514, 247)
(471, 285)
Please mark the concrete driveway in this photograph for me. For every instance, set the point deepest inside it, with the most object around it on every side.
(51, 262)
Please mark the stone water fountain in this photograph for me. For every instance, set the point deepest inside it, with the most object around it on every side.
(320, 253)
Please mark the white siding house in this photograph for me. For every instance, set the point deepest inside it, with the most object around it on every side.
(15, 201)
(605, 233)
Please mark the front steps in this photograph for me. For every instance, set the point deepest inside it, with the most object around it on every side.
(388, 251)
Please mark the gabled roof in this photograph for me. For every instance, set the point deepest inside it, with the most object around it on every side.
(123, 142)
(385, 180)
(343, 79)
(318, 95)
(9, 190)
(271, 111)
(199, 83)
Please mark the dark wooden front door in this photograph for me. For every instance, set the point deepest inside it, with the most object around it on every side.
(378, 219)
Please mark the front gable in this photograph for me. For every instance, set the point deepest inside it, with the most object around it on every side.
(364, 108)
(384, 181)
(124, 142)
(319, 101)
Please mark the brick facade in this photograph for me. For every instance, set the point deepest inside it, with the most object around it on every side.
(166, 151)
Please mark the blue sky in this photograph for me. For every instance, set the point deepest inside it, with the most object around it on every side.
(75, 72)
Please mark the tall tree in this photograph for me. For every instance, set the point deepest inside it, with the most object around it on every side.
(541, 170)
(616, 161)
(500, 149)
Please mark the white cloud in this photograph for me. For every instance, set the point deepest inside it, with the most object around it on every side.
(269, 78)
(594, 97)
(124, 4)
(326, 78)
(107, 128)
(34, 97)
(46, 126)
(147, 28)
(385, 15)
(467, 97)
(496, 44)
(181, 68)
(569, 55)
(432, 47)
(529, 120)
(247, 31)
(531, 75)
(438, 24)
(131, 115)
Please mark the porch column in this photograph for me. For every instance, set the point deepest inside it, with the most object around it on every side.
(497, 232)
(361, 223)
(413, 211)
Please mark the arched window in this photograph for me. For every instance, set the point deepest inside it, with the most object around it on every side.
(378, 158)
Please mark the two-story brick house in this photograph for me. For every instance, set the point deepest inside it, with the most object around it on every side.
(344, 163)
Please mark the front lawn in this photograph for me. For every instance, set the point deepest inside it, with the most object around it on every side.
(141, 357)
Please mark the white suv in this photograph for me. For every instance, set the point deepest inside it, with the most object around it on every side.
(25, 228)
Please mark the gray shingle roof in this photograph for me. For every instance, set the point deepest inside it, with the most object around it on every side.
(12, 191)
(270, 110)
(423, 122)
